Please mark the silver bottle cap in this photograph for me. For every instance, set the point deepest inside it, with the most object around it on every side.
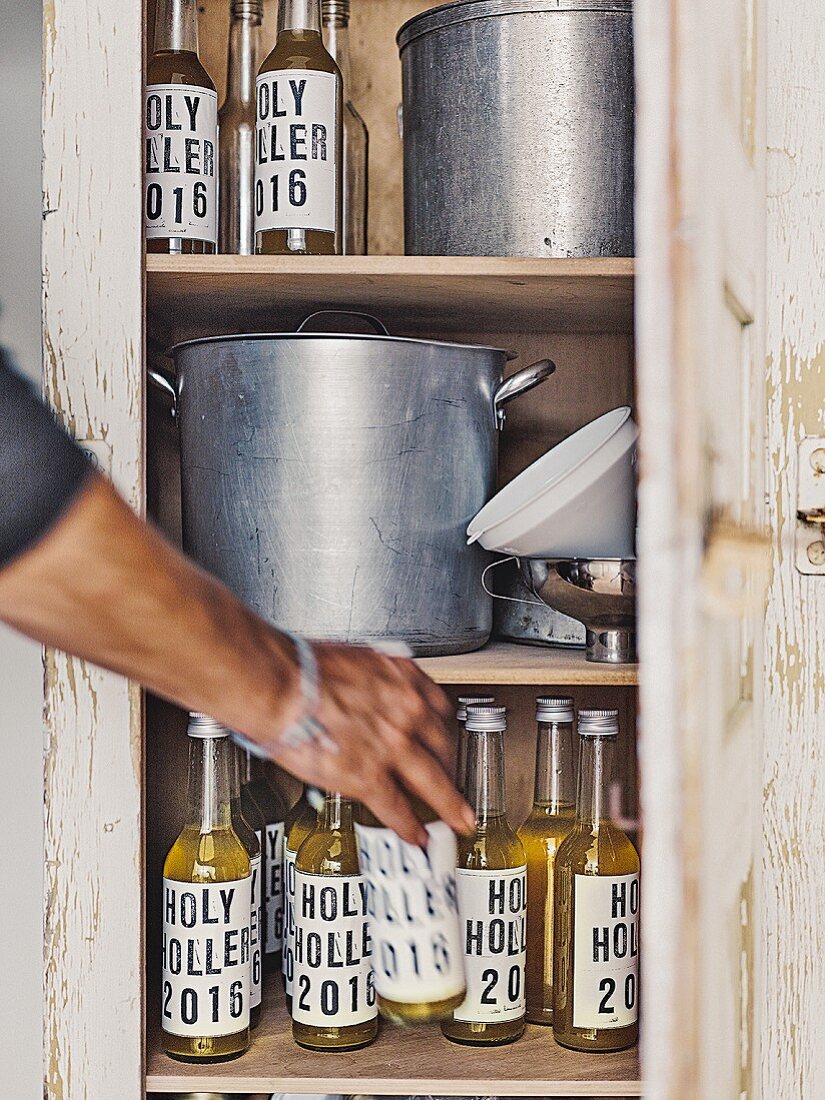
(465, 701)
(483, 719)
(598, 723)
(201, 725)
(554, 708)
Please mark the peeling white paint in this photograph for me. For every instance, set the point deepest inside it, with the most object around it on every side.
(92, 338)
(793, 888)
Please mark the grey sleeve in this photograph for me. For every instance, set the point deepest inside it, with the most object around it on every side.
(41, 468)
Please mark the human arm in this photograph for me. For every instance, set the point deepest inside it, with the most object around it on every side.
(102, 585)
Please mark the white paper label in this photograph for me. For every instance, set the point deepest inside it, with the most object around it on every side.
(255, 929)
(287, 953)
(605, 950)
(333, 982)
(411, 902)
(206, 957)
(296, 159)
(274, 889)
(492, 906)
(180, 127)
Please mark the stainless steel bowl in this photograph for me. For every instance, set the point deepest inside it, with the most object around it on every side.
(599, 592)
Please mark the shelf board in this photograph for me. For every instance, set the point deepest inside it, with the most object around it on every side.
(415, 1061)
(409, 293)
(506, 663)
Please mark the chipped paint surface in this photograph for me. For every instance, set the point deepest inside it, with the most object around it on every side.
(793, 888)
(92, 347)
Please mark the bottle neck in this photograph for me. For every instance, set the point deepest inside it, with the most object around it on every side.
(484, 776)
(336, 39)
(595, 776)
(176, 26)
(336, 814)
(555, 767)
(299, 15)
(242, 65)
(210, 790)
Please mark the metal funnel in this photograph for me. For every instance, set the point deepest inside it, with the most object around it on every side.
(599, 592)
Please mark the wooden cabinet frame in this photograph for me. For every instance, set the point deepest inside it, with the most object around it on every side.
(94, 351)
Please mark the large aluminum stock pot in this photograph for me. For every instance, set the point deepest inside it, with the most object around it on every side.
(328, 479)
(527, 106)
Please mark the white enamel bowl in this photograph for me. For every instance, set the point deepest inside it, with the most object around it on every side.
(576, 501)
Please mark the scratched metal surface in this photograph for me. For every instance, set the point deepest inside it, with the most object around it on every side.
(329, 482)
(527, 106)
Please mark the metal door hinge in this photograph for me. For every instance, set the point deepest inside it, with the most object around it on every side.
(809, 542)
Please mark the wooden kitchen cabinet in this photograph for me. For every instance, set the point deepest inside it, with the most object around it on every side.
(679, 333)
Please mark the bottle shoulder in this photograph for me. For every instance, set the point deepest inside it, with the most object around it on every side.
(543, 825)
(328, 853)
(498, 848)
(601, 850)
(178, 67)
(216, 856)
(293, 51)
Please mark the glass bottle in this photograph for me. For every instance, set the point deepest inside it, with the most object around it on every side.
(333, 1002)
(465, 701)
(237, 130)
(207, 898)
(300, 821)
(181, 138)
(299, 140)
(251, 839)
(549, 822)
(271, 806)
(411, 903)
(491, 879)
(596, 936)
(335, 18)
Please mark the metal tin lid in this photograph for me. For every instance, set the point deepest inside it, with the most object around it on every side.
(598, 723)
(465, 701)
(554, 709)
(201, 725)
(463, 11)
(481, 719)
(373, 337)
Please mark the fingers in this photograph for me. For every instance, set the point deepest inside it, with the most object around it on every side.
(391, 806)
(424, 776)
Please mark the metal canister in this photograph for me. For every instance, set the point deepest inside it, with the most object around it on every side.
(527, 106)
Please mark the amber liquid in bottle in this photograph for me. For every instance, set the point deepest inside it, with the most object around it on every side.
(596, 948)
(207, 903)
(249, 833)
(175, 61)
(491, 878)
(419, 971)
(299, 140)
(549, 822)
(300, 822)
(334, 1001)
(259, 785)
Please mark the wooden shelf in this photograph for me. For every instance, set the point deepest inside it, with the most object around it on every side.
(409, 293)
(506, 663)
(417, 1061)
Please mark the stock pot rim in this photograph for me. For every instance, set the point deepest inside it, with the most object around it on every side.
(372, 337)
(465, 11)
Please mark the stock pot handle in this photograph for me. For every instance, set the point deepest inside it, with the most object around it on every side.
(379, 326)
(163, 383)
(521, 382)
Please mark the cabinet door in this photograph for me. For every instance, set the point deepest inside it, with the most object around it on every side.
(700, 223)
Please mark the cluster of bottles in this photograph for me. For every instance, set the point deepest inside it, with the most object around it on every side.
(282, 167)
(481, 933)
